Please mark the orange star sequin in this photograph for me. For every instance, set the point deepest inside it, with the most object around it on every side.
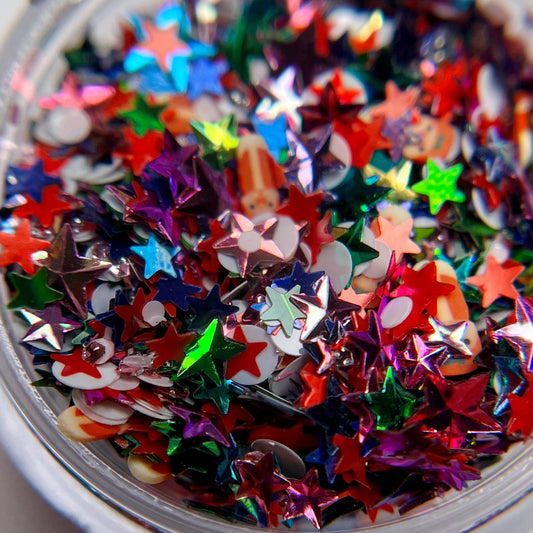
(496, 281)
(397, 236)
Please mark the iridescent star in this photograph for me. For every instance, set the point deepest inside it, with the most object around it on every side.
(450, 336)
(520, 333)
(281, 309)
(307, 498)
(49, 325)
(250, 244)
(315, 308)
(70, 273)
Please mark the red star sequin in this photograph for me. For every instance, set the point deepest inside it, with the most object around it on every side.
(132, 316)
(169, 347)
(316, 387)
(246, 360)
(45, 211)
(521, 409)
(19, 247)
(350, 464)
(75, 364)
(364, 139)
(141, 149)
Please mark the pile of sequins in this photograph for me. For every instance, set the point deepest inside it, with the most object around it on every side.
(280, 253)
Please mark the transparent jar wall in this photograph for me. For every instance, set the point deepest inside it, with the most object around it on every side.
(48, 27)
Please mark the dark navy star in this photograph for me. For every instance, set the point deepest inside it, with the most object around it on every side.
(300, 277)
(176, 291)
(29, 181)
(324, 455)
(208, 308)
(112, 320)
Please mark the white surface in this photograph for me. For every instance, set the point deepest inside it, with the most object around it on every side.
(21, 508)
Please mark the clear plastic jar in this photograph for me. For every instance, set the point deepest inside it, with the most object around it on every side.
(75, 472)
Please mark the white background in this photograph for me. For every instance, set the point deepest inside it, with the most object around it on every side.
(22, 510)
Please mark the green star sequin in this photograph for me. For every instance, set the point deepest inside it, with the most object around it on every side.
(219, 394)
(144, 117)
(282, 309)
(440, 186)
(360, 252)
(32, 292)
(210, 348)
(392, 405)
(219, 140)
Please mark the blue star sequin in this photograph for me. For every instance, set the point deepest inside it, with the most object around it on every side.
(300, 277)
(29, 181)
(175, 291)
(274, 133)
(205, 77)
(207, 309)
(157, 258)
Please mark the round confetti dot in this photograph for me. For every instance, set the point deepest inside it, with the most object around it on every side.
(396, 311)
(105, 412)
(79, 380)
(335, 260)
(291, 345)
(289, 462)
(378, 267)
(68, 125)
(153, 312)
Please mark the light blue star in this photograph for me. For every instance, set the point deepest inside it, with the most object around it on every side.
(157, 258)
(205, 77)
(274, 133)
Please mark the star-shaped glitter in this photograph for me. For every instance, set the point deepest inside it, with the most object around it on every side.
(451, 336)
(400, 135)
(250, 244)
(307, 498)
(285, 100)
(520, 333)
(281, 309)
(392, 405)
(397, 102)
(208, 308)
(440, 186)
(197, 425)
(218, 139)
(395, 177)
(160, 45)
(76, 364)
(496, 281)
(259, 480)
(170, 347)
(69, 272)
(363, 139)
(205, 77)
(422, 359)
(454, 406)
(306, 280)
(20, 246)
(315, 387)
(218, 394)
(73, 94)
(510, 380)
(48, 325)
(157, 258)
(46, 210)
(351, 238)
(210, 348)
(274, 133)
(315, 309)
(521, 406)
(349, 461)
(144, 116)
(397, 236)
(174, 290)
(246, 360)
(329, 108)
(141, 150)
(32, 292)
